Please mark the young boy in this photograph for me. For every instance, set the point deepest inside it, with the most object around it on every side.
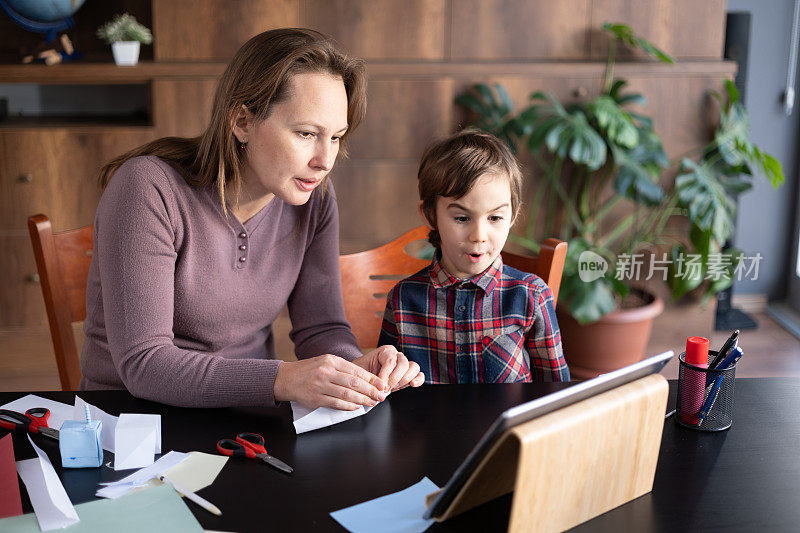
(467, 318)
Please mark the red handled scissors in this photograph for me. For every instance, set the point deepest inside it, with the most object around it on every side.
(34, 420)
(251, 445)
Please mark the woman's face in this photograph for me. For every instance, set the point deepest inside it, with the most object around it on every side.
(290, 152)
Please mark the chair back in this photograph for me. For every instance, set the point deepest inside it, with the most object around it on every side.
(63, 261)
(367, 277)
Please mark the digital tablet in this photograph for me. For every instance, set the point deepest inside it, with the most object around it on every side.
(528, 411)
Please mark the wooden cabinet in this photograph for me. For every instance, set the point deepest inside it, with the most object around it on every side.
(51, 171)
(54, 171)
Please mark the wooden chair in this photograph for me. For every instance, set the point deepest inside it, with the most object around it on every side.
(63, 261)
(367, 277)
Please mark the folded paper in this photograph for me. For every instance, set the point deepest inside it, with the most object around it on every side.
(134, 441)
(115, 489)
(49, 499)
(109, 421)
(306, 419)
(10, 502)
(400, 512)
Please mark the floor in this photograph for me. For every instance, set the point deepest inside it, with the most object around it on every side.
(27, 362)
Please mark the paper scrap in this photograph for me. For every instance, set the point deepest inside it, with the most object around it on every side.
(156, 509)
(58, 411)
(400, 512)
(10, 502)
(197, 472)
(115, 489)
(134, 441)
(306, 419)
(49, 499)
(109, 421)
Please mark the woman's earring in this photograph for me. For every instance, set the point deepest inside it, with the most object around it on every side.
(243, 146)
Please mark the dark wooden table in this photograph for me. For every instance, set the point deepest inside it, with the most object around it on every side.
(747, 478)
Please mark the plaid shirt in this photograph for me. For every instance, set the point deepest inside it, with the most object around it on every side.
(497, 327)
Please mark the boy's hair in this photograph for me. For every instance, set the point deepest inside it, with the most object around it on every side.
(451, 166)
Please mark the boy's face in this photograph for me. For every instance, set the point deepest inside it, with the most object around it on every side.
(474, 228)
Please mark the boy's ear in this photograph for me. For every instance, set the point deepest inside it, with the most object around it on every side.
(425, 220)
(243, 124)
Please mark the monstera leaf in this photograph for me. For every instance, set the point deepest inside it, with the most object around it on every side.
(566, 133)
(614, 121)
(494, 110)
(709, 206)
(625, 34)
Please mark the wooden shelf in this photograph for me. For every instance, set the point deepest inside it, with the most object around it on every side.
(549, 69)
(106, 73)
(145, 71)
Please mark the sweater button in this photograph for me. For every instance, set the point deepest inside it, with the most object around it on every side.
(243, 247)
(242, 259)
(243, 235)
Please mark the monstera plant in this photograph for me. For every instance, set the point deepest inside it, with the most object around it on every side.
(607, 189)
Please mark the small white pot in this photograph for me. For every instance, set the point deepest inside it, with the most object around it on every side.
(126, 53)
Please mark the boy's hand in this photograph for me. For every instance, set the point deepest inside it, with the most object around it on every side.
(392, 367)
(327, 381)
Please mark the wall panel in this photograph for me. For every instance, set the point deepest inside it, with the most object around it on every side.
(389, 29)
(519, 29)
(214, 29)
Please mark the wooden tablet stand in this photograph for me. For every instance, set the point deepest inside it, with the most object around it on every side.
(575, 463)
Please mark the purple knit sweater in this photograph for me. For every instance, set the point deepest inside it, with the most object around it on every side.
(180, 299)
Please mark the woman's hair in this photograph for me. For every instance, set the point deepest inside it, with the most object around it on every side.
(451, 166)
(257, 77)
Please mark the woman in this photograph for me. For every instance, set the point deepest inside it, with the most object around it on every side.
(199, 243)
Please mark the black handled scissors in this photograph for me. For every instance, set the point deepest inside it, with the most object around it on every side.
(251, 445)
(34, 421)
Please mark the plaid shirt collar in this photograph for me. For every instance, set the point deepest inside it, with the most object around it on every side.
(486, 280)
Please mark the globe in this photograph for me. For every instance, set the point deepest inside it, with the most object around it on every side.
(42, 16)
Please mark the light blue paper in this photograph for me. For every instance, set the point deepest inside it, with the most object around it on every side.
(81, 443)
(156, 509)
(400, 512)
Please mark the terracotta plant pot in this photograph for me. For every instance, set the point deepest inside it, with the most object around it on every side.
(616, 340)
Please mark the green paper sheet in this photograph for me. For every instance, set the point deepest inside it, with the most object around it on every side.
(156, 509)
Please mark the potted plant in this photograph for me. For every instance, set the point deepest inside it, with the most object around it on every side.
(125, 34)
(606, 190)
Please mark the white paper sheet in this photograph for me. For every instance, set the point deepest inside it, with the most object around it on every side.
(50, 502)
(135, 440)
(109, 421)
(116, 489)
(58, 411)
(306, 419)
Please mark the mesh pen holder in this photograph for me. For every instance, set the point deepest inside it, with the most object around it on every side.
(702, 390)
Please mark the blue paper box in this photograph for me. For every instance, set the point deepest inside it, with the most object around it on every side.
(80, 443)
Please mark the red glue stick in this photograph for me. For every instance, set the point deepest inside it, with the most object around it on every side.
(694, 382)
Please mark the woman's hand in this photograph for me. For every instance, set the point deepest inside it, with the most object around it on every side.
(328, 381)
(392, 367)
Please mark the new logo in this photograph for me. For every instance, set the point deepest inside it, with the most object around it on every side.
(591, 266)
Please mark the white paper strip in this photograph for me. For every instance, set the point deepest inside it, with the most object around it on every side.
(50, 502)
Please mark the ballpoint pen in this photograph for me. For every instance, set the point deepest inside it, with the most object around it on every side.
(710, 400)
(712, 391)
(729, 343)
(202, 502)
